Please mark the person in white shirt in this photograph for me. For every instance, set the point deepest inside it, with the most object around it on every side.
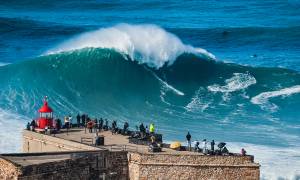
(204, 145)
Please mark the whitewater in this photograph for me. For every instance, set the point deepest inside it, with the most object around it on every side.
(148, 44)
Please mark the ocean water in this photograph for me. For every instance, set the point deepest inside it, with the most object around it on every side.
(228, 71)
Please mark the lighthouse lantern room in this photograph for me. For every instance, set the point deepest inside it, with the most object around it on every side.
(45, 116)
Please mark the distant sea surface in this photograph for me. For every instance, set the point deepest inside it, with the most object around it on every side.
(228, 71)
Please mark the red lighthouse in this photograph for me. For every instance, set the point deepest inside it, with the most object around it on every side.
(45, 116)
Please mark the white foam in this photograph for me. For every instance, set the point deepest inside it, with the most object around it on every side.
(198, 103)
(238, 82)
(275, 162)
(10, 133)
(265, 96)
(148, 44)
(3, 64)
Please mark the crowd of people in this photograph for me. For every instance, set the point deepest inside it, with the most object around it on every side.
(142, 132)
(93, 125)
(205, 147)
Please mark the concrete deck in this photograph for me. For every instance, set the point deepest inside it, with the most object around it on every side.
(34, 159)
(112, 142)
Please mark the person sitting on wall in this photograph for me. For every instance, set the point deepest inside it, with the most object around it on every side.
(33, 125)
(197, 148)
(152, 139)
(97, 139)
(225, 151)
(243, 152)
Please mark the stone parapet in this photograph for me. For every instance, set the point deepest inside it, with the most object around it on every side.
(36, 142)
(170, 166)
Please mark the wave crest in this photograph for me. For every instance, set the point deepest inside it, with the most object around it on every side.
(147, 44)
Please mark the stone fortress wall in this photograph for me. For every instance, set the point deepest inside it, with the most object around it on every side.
(73, 160)
(163, 166)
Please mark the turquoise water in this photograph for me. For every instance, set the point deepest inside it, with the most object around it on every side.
(227, 71)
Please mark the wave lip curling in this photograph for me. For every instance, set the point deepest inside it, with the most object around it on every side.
(148, 44)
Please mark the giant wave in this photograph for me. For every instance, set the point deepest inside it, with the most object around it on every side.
(147, 83)
(148, 44)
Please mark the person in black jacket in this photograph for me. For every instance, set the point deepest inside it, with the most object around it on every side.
(100, 124)
(142, 130)
(188, 138)
(125, 128)
(212, 145)
(83, 118)
(78, 120)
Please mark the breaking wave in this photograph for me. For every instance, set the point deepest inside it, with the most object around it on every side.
(147, 44)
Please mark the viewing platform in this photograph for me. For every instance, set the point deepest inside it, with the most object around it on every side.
(52, 150)
(73, 155)
(112, 142)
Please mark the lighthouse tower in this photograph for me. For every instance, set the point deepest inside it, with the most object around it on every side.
(45, 116)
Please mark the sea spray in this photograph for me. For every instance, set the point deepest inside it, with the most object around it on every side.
(147, 44)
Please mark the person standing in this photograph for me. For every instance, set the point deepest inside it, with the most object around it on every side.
(125, 128)
(114, 127)
(188, 138)
(28, 126)
(90, 126)
(151, 128)
(100, 124)
(204, 145)
(70, 121)
(67, 122)
(78, 120)
(96, 125)
(212, 145)
(58, 124)
(83, 118)
(106, 125)
(142, 130)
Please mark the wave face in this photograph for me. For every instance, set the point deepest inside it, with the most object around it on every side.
(105, 82)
